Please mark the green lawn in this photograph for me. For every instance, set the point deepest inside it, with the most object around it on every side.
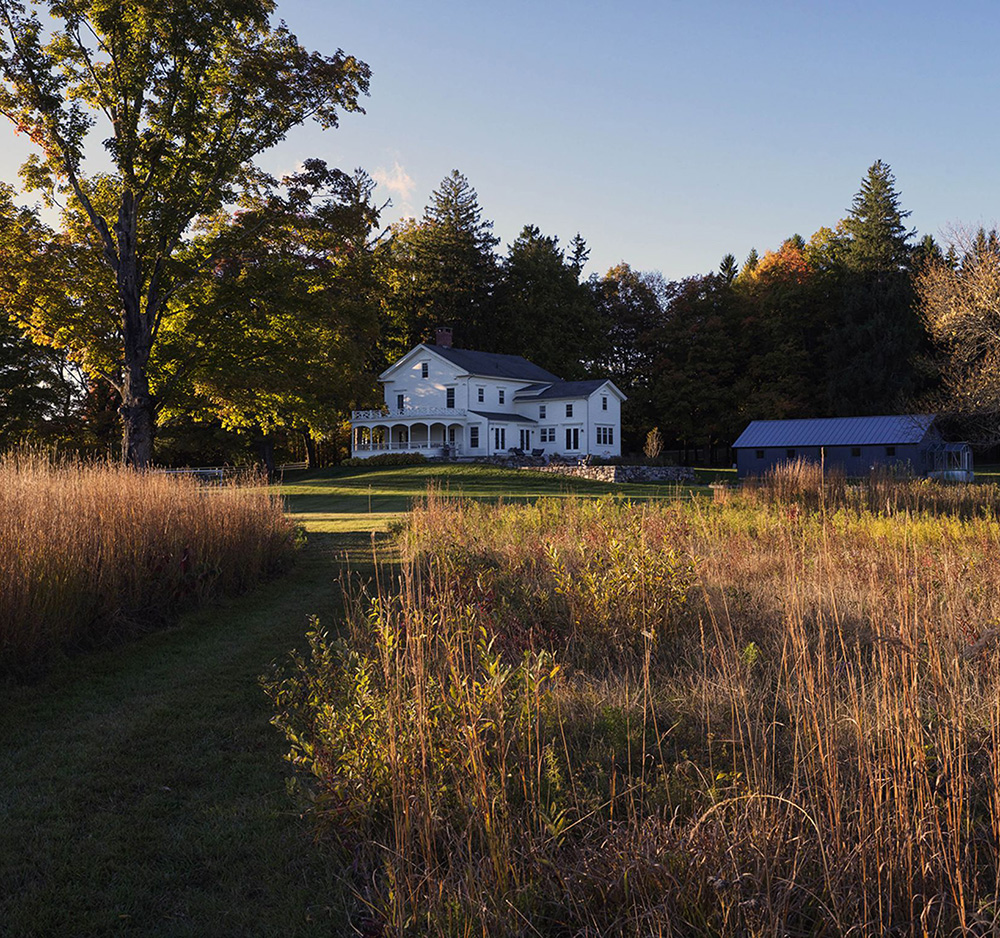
(369, 499)
(142, 789)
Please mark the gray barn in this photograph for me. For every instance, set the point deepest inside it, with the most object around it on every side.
(855, 444)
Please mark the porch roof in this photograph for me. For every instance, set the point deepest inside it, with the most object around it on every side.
(496, 417)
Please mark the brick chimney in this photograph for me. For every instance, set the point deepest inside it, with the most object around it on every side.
(442, 336)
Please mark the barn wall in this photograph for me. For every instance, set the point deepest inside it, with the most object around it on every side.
(747, 462)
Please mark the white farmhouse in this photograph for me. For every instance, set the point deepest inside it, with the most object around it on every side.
(444, 401)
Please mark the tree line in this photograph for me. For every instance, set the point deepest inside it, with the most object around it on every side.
(188, 300)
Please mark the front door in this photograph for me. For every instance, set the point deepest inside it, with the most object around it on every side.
(572, 438)
(499, 439)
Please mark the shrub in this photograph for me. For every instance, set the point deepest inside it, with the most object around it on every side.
(387, 459)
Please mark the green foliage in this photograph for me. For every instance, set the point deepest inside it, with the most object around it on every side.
(442, 271)
(193, 93)
(388, 459)
(371, 717)
(281, 336)
(544, 312)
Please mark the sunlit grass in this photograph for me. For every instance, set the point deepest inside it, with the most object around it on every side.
(91, 551)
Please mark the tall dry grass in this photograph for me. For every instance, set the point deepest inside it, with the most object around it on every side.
(593, 718)
(89, 550)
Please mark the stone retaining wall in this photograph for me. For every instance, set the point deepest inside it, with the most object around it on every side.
(621, 473)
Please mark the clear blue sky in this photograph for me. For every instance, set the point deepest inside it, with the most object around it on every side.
(666, 133)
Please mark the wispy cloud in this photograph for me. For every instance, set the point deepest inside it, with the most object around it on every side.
(399, 183)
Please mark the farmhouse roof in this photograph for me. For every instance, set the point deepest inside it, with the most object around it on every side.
(559, 389)
(836, 431)
(493, 365)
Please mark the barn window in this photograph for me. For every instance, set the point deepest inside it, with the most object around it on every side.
(855, 450)
(890, 451)
(758, 454)
(790, 453)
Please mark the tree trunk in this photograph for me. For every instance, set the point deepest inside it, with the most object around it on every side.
(137, 417)
(310, 448)
(266, 446)
(137, 333)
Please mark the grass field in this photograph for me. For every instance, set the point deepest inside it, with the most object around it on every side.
(142, 788)
(776, 714)
(371, 499)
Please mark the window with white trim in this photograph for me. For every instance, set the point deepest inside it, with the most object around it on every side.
(541, 411)
(481, 395)
(399, 402)
(547, 434)
(424, 369)
(500, 395)
(449, 395)
(474, 437)
(605, 436)
(569, 410)
(604, 403)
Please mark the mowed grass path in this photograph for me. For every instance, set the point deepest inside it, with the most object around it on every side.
(142, 788)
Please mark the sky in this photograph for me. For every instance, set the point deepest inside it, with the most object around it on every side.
(667, 133)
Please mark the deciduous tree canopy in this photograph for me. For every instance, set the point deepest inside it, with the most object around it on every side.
(186, 95)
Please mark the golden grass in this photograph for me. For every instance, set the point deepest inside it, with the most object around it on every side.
(90, 550)
(593, 718)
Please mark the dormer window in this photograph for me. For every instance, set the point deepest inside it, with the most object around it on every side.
(500, 396)
(541, 411)
(424, 369)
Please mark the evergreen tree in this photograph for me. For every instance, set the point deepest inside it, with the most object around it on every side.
(453, 267)
(579, 254)
(750, 264)
(877, 338)
(544, 312)
(875, 224)
(728, 269)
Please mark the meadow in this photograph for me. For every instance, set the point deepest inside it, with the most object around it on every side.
(142, 786)
(90, 553)
(536, 705)
(775, 715)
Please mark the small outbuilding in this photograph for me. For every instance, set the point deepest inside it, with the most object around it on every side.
(910, 442)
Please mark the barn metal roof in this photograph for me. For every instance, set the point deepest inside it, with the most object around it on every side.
(836, 431)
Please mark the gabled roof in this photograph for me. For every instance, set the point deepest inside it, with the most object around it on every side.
(492, 365)
(836, 431)
(498, 417)
(560, 389)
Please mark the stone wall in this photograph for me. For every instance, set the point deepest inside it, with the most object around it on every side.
(621, 473)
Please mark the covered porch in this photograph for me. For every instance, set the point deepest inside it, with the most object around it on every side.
(430, 438)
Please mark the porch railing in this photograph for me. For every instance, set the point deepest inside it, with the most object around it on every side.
(453, 449)
(407, 413)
